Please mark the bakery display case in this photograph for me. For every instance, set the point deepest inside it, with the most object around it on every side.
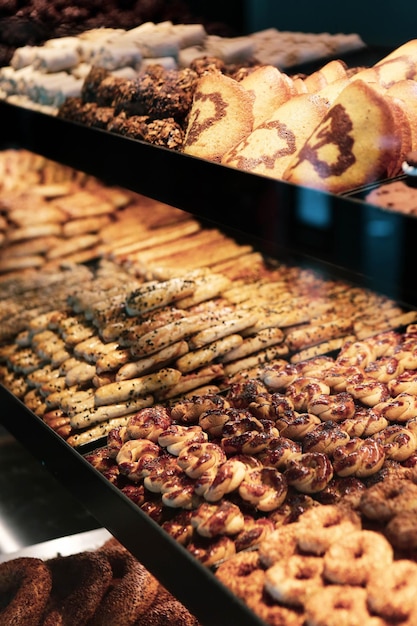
(340, 236)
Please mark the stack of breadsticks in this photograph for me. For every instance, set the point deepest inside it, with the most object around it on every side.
(92, 348)
(51, 214)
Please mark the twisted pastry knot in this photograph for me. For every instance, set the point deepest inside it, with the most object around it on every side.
(316, 367)
(359, 353)
(385, 369)
(336, 407)
(303, 390)
(404, 383)
(271, 407)
(105, 464)
(241, 394)
(407, 355)
(368, 391)
(297, 425)
(254, 532)
(310, 472)
(264, 488)
(178, 492)
(179, 527)
(116, 437)
(279, 376)
(148, 423)
(399, 442)
(365, 423)
(359, 457)
(159, 471)
(247, 436)
(175, 437)
(212, 421)
(189, 411)
(325, 438)
(133, 457)
(211, 520)
(399, 409)
(195, 459)
(338, 376)
(212, 551)
(279, 452)
(214, 484)
(385, 344)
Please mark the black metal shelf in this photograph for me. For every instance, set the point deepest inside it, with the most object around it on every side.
(342, 235)
(339, 235)
(192, 583)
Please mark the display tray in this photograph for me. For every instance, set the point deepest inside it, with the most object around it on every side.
(63, 546)
(370, 246)
(175, 568)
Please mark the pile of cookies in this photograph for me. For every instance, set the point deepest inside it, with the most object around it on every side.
(335, 130)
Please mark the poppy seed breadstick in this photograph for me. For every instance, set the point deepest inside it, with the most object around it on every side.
(124, 390)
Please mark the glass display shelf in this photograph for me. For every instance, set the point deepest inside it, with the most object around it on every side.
(342, 234)
(192, 583)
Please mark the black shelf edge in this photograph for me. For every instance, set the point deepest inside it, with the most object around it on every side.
(368, 245)
(189, 581)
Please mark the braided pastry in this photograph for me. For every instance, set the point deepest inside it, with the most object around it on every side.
(366, 422)
(210, 520)
(271, 406)
(399, 442)
(325, 438)
(279, 376)
(189, 410)
(291, 581)
(304, 389)
(384, 369)
(133, 457)
(227, 478)
(401, 531)
(359, 353)
(197, 458)
(254, 532)
(279, 452)
(248, 435)
(264, 488)
(178, 492)
(398, 409)
(148, 423)
(359, 457)
(211, 550)
(336, 407)
(368, 391)
(310, 472)
(404, 383)
(240, 395)
(338, 376)
(159, 470)
(175, 437)
(296, 426)
(212, 421)
(334, 605)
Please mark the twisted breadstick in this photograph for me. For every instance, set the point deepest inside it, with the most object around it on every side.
(359, 457)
